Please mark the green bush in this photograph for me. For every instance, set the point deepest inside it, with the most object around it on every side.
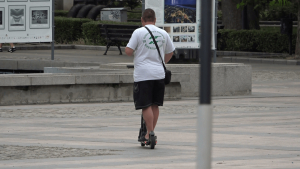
(220, 15)
(68, 30)
(61, 13)
(134, 15)
(254, 41)
(91, 32)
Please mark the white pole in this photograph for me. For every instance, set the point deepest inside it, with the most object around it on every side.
(204, 140)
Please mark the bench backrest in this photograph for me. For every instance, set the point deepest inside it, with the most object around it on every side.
(117, 32)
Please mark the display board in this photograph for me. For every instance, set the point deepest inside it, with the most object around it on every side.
(25, 21)
(181, 19)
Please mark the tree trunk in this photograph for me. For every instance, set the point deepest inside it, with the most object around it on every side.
(232, 17)
(297, 52)
(253, 17)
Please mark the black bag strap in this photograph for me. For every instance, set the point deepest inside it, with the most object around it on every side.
(162, 61)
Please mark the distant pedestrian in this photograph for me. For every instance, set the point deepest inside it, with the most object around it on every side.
(11, 49)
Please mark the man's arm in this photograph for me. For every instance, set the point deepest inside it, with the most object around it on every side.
(169, 48)
(129, 51)
(168, 57)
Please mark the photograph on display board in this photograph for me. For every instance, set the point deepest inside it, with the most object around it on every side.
(180, 11)
(176, 29)
(191, 28)
(191, 38)
(2, 22)
(167, 29)
(184, 29)
(16, 18)
(176, 39)
(39, 17)
(183, 38)
(17, 0)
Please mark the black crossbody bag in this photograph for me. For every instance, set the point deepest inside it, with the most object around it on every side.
(168, 73)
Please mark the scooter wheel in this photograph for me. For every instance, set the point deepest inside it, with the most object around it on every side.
(152, 140)
(143, 144)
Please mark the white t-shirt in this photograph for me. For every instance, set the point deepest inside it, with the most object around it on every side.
(147, 62)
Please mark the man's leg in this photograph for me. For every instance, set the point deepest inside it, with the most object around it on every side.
(149, 118)
(155, 111)
(12, 48)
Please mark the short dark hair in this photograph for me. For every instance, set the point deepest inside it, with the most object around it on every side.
(148, 15)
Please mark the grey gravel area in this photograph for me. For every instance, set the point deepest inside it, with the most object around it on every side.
(256, 131)
(12, 152)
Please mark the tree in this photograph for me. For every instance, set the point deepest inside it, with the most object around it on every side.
(295, 2)
(245, 14)
(242, 14)
(133, 3)
(129, 3)
(232, 16)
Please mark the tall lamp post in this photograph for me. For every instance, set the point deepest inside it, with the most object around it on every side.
(204, 131)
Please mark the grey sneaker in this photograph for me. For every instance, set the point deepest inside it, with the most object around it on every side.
(11, 50)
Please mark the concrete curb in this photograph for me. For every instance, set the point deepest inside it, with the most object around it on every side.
(48, 47)
(262, 60)
(238, 53)
(114, 48)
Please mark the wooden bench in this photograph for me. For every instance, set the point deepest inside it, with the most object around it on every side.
(115, 34)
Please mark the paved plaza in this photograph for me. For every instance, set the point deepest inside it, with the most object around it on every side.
(261, 130)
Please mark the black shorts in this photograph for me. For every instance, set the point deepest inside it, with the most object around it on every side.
(147, 93)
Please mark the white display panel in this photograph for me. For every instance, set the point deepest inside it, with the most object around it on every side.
(2, 18)
(181, 19)
(25, 21)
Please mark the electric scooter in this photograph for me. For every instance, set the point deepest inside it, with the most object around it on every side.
(143, 131)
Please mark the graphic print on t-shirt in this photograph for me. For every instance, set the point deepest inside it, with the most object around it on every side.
(149, 43)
